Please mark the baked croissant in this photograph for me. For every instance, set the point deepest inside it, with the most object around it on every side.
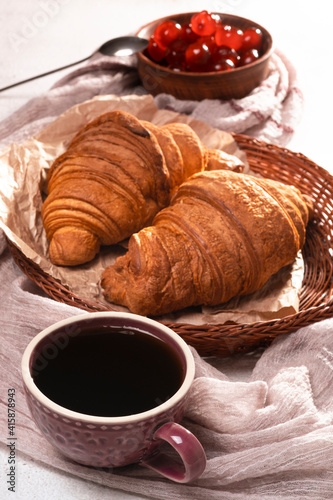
(116, 174)
(223, 235)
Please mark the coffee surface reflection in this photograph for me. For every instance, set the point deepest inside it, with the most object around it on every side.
(109, 372)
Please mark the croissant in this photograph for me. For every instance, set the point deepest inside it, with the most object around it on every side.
(116, 174)
(223, 235)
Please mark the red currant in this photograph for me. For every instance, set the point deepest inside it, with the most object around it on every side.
(175, 54)
(225, 65)
(230, 36)
(155, 51)
(210, 42)
(248, 57)
(166, 33)
(197, 56)
(187, 34)
(217, 19)
(252, 39)
(203, 24)
(224, 53)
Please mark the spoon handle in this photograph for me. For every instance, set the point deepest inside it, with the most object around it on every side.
(44, 74)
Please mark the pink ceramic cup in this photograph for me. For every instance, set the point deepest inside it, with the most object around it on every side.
(117, 441)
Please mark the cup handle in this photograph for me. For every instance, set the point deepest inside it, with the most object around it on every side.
(188, 447)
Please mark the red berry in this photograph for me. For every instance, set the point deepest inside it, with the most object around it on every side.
(225, 65)
(203, 24)
(230, 36)
(166, 33)
(210, 42)
(248, 57)
(204, 44)
(175, 54)
(217, 19)
(187, 34)
(155, 51)
(252, 39)
(197, 56)
(224, 53)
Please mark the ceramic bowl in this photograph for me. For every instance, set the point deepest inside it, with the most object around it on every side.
(230, 84)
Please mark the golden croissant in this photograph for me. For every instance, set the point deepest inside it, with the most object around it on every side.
(223, 235)
(116, 174)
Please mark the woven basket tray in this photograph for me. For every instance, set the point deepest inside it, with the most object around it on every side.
(316, 301)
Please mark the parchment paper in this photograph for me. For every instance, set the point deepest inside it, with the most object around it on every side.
(23, 176)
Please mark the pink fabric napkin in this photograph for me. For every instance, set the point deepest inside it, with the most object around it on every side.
(270, 436)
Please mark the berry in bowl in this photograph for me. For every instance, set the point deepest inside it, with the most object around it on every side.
(200, 55)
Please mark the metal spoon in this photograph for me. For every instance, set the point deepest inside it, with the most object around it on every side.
(121, 46)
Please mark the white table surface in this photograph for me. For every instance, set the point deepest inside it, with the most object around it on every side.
(39, 35)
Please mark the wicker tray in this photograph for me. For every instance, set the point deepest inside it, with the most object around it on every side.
(316, 301)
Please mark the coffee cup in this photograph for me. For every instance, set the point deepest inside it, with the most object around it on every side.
(109, 389)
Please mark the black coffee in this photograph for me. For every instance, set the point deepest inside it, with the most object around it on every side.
(109, 372)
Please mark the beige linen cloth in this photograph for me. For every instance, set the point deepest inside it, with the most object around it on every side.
(268, 437)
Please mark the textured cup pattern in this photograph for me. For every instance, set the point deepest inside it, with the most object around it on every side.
(102, 445)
